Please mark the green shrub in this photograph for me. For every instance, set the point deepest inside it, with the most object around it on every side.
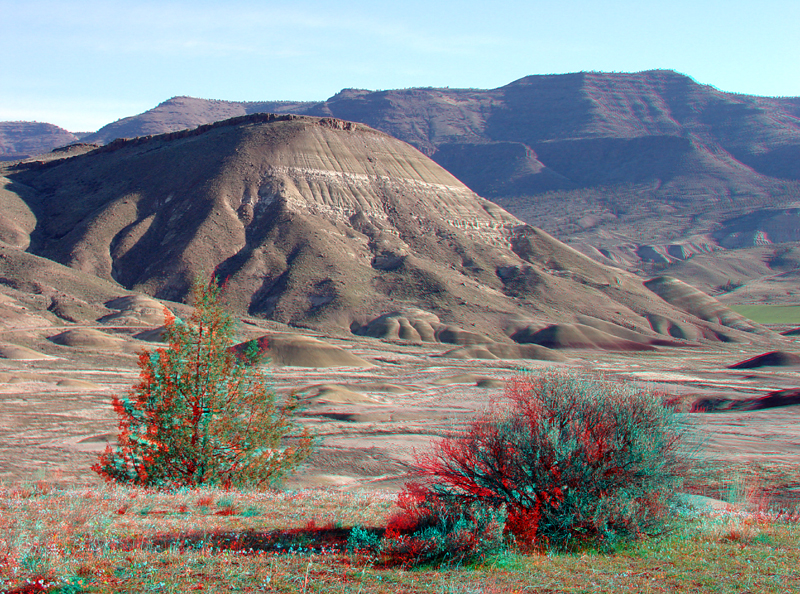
(572, 458)
(201, 413)
(364, 540)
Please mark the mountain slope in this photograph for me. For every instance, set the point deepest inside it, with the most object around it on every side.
(321, 223)
(650, 158)
(607, 159)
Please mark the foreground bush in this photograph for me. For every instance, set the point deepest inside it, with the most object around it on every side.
(201, 414)
(427, 530)
(573, 458)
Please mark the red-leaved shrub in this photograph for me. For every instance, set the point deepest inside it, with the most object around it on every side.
(428, 530)
(571, 457)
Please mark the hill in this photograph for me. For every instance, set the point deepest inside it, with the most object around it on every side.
(607, 159)
(180, 113)
(23, 139)
(647, 168)
(324, 223)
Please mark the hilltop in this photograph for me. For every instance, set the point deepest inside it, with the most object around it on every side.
(22, 139)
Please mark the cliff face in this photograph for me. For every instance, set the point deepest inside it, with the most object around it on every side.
(604, 158)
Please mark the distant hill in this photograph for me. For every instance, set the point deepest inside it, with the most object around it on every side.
(636, 170)
(607, 159)
(180, 113)
(23, 139)
(324, 223)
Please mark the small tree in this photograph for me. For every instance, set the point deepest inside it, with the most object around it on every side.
(201, 413)
(571, 458)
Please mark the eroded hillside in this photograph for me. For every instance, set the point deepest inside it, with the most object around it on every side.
(329, 224)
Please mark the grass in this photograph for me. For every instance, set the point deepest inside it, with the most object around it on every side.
(769, 314)
(760, 485)
(134, 540)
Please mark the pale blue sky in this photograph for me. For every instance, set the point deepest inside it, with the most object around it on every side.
(80, 64)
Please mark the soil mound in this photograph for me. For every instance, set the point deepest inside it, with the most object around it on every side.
(87, 338)
(469, 378)
(624, 333)
(675, 329)
(772, 359)
(411, 323)
(295, 350)
(20, 378)
(776, 399)
(154, 335)
(578, 336)
(387, 388)
(78, 384)
(416, 325)
(697, 303)
(488, 382)
(336, 394)
(73, 309)
(134, 310)
(20, 353)
(504, 351)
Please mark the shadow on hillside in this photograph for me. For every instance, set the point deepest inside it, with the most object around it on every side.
(690, 403)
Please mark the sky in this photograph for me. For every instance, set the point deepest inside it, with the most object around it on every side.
(81, 64)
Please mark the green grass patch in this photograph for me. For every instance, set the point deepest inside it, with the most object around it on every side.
(137, 540)
(769, 314)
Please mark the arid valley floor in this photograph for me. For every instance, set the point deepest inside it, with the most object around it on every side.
(56, 415)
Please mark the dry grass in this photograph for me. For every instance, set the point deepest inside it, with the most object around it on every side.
(133, 540)
(758, 486)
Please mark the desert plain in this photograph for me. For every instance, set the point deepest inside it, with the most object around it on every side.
(372, 403)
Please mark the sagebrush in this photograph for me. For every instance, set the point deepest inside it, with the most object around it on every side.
(570, 456)
(427, 530)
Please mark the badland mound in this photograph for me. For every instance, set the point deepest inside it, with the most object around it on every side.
(321, 223)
